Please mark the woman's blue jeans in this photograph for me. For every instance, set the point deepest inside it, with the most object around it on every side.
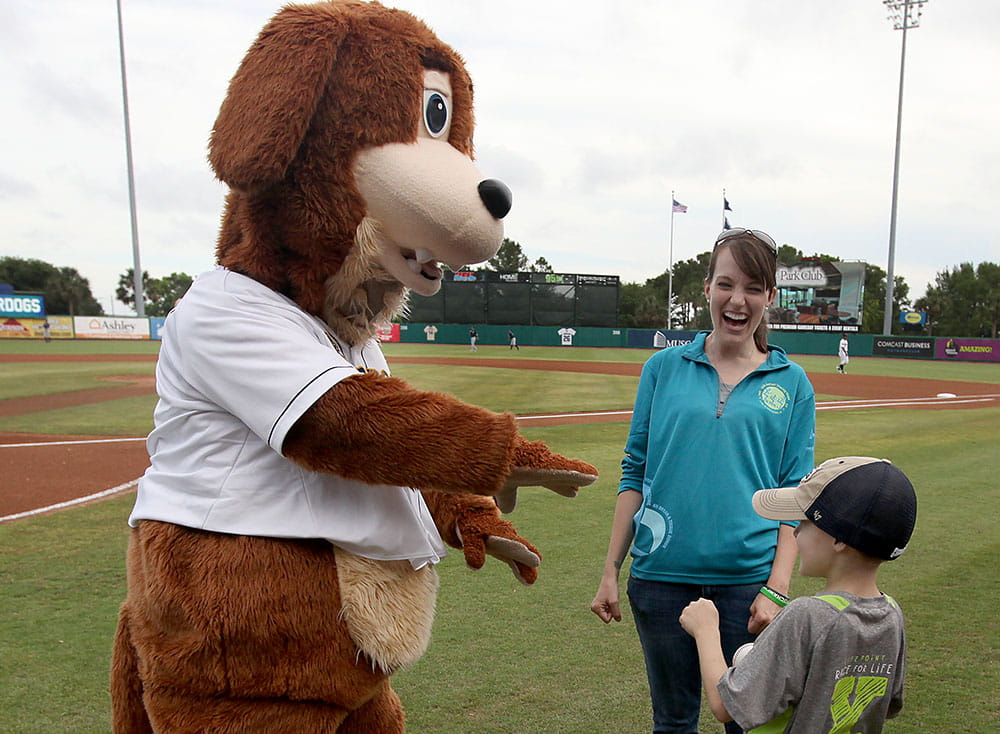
(670, 652)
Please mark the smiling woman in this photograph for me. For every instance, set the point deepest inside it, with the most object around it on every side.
(716, 420)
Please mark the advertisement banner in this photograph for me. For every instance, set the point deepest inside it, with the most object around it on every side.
(155, 325)
(978, 350)
(60, 327)
(388, 332)
(901, 346)
(818, 295)
(11, 328)
(836, 328)
(659, 338)
(111, 327)
(18, 305)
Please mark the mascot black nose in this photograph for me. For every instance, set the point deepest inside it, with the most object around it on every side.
(496, 196)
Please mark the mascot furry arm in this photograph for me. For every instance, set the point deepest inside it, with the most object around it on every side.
(281, 562)
(493, 457)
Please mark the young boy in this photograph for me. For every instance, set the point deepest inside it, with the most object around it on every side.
(835, 661)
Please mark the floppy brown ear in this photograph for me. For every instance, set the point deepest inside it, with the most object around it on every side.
(272, 98)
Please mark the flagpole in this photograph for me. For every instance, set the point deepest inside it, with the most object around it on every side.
(723, 208)
(670, 271)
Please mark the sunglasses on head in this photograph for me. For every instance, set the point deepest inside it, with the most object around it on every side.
(762, 237)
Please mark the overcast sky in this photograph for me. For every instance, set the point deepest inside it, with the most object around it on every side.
(592, 112)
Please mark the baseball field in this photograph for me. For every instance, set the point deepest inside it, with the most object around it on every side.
(504, 658)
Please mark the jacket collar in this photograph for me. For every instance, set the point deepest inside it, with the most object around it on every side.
(695, 351)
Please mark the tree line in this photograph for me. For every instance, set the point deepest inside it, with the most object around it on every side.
(65, 290)
(963, 301)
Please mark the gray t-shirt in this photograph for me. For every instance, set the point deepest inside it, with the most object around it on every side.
(830, 662)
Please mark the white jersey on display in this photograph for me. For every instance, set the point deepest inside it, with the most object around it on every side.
(238, 366)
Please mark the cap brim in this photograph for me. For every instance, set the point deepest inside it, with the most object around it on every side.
(778, 504)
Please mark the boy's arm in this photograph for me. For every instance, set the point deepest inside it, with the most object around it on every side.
(700, 619)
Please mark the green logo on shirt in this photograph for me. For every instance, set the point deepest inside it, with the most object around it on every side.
(774, 397)
(846, 713)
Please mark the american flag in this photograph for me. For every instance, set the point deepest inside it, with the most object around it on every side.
(679, 208)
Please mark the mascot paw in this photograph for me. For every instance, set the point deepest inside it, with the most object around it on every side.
(534, 465)
(522, 561)
(484, 534)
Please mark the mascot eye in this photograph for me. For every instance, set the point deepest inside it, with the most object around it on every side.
(435, 113)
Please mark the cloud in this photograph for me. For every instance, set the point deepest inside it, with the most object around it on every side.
(592, 112)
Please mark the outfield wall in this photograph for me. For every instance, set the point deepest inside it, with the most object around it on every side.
(861, 345)
(793, 342)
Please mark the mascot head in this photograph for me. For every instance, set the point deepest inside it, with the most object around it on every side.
(346, 141)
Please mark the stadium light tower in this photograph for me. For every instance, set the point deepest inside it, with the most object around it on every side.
(904, 14)
(140, 301)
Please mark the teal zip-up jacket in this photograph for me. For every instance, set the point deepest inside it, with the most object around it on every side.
(697, 467)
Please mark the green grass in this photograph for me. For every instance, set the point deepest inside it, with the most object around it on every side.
(923, 368)
(31, 379)
(63, 580)
(505, 658)
(123, 417)
(523, 391)
(490, 352)
(79, 346)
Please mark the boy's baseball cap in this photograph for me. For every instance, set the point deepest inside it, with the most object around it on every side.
(866, 503)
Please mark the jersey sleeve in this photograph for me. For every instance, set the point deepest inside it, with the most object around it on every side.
(259, 360)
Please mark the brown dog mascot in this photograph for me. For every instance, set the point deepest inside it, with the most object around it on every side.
(281, 562)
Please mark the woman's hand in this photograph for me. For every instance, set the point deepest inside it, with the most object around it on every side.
(606, 603)
(762, 613)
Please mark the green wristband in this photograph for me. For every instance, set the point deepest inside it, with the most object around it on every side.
(777, 597)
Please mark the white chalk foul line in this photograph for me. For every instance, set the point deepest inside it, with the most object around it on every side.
(69, 443)
(900, 403)
(70, 503)
(824, 405)
(572, 415)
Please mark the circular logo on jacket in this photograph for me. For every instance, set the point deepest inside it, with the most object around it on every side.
(774, 397)
(653, 530)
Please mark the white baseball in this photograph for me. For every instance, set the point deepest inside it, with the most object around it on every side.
(741, 652)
